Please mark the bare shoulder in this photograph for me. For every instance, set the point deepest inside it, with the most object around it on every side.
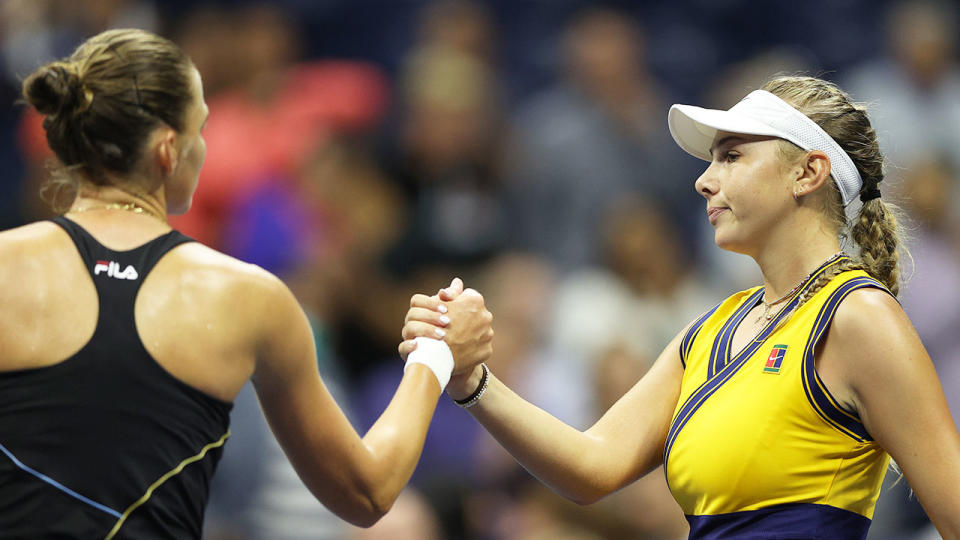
(204, 305)
(195, 264)
(871, 342)
(211, 286)
(30, 253)
(871, 318)
(34, 237)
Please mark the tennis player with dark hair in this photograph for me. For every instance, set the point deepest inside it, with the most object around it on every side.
(776, 412)
(123, 343)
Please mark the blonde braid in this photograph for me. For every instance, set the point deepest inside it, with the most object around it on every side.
(819, 283)
(876, 231)
(825, 277)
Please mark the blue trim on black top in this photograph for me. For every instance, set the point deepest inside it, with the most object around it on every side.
(58, 485)
(781, 522)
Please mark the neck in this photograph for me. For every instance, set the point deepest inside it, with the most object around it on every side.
(112, 198)
(785, 264)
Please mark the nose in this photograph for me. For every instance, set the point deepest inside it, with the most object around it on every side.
(706, 184)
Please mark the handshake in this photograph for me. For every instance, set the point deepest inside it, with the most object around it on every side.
(450, 333)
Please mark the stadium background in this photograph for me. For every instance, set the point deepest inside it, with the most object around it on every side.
(364, 150)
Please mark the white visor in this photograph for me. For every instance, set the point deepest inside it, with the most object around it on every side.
(762, 113)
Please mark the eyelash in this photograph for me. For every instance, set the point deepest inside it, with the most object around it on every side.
(730, 156)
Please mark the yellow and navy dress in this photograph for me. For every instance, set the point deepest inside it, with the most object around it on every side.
(758, 447)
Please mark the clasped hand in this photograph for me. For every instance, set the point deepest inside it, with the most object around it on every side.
(456, 316)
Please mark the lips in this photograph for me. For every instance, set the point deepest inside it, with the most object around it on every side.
(713, 213)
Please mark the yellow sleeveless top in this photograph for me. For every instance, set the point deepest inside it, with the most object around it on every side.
(757, 433)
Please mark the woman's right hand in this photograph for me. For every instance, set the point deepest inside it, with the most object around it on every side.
(463, 323)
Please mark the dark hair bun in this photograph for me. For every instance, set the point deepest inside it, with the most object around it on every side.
(53, 89)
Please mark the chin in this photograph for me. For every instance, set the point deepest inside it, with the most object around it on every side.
(734, 245)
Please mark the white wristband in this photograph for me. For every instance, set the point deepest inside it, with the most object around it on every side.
(434, 354)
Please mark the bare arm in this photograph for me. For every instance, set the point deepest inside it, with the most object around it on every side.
(626, 443)
(895, 389)
(357, 478)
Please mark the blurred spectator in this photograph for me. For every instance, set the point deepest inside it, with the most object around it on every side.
(326, 230)
(522, 288)
(36, 31)
(618, 253)
(275, 113)
(460, 25)
(209, 36)
(446, 154)
(593, 137)
(642, 295)
(931, 295)
(915, 88)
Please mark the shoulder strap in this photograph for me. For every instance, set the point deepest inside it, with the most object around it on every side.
(691, 334)
(817, 393)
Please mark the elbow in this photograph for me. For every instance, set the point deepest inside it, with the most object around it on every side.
(367, 515)
(378, 506)
(583, 494)
(370, 507)
(365, 519)
(360, 507)
(585, 501)
(586, 498)
(588, 490)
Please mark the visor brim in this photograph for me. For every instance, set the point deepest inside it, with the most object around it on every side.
(695, 128)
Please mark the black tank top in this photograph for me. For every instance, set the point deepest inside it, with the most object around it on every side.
(107, 444)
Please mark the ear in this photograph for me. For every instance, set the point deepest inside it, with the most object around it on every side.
(165, 154)
(813, 172)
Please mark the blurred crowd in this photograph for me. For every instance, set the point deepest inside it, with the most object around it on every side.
(367, 150)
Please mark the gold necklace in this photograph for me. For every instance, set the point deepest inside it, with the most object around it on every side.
(768, 312)
(129, 207)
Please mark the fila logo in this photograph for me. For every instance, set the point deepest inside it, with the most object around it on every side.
(113, 270)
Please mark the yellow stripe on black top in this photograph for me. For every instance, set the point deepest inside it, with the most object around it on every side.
(173, 472)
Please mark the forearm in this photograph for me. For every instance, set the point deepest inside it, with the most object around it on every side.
(357, 478)
(395, 441)
(564, 458)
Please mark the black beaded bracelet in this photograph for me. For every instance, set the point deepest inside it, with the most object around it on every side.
(473, 398)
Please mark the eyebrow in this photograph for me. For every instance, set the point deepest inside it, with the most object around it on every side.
(723, 141)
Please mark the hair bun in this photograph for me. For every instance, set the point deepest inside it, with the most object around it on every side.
(54, 88)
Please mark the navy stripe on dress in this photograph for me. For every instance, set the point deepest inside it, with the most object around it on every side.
(691, 335)
(781, 522)
(720, 352)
